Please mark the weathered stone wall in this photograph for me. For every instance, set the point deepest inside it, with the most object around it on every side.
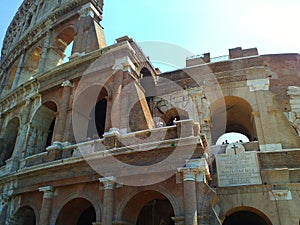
(138, 161)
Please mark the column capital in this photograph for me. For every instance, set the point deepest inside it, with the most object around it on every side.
(195, 170)
(67, 83)
(188, 174)
(124, 64)
(109, 182)
(88, 10)
(48, 191)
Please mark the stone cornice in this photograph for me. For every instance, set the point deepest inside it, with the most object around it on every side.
(32, 87)
(60, 71)
(19, 96)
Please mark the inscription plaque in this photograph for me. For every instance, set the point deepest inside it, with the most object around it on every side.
(237, 167)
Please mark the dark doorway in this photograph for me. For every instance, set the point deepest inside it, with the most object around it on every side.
(245, 218)
(10, 137)
(78, 211)
(156, 212)
(97, 119)
(87, 217)
(50, 133)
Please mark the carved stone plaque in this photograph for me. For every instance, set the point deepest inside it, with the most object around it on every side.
(237, 167)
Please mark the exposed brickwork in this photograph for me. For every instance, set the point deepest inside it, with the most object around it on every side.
(155, 156)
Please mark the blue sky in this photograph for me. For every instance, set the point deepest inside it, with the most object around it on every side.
(198, 25)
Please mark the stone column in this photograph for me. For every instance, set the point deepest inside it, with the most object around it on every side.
(89, 35)
(46, 205)
(63, 113)
(19, 71)
(41, 67)
(194, 172)
(190, 197)
(68, 136)
(23, 126)
(13, 163)
(108, 200)
(115, 110)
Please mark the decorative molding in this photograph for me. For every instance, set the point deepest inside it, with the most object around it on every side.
(109, 182)
(270, 147)
(195, 170)
(280, 195)
(48, 191)
(67, 83)
(258, 85)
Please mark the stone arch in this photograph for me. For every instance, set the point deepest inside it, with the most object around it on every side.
(10, 77)
(246, 215)
(89, 198)
(232, 114)
(174, 113)
(31, 63)
(83, 204)
(63, 38)
(121, 208)
(10, 137)
(92, 126)
(148, 203)
(42, 128)
(96, 126)
(24, 215)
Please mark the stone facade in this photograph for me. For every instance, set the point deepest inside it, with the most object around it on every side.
(105, 138)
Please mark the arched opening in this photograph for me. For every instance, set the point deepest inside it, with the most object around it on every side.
(31, 65)
(24, 216)
(148, 84)
(232, 114)
(78, 211)
(64, 42)
(97, 119)
(42, 129)
(174, 114)
(68, 52)
(246, 218)
(90, 113)
(9, 142)
(10, 77)
(149, 208)
(232, 137)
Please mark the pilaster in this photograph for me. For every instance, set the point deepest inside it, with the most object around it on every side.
(46, 205)
(19, 71)
(63, 113)
(195, 171)
(45, 49)
(108, 199)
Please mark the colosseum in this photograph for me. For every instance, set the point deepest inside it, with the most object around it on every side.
(103, 137)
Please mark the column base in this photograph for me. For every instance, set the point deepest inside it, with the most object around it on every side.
(54, 151)
(117, 222)
(178, 220)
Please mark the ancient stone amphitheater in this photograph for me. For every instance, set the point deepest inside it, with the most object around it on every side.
(103, 137)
